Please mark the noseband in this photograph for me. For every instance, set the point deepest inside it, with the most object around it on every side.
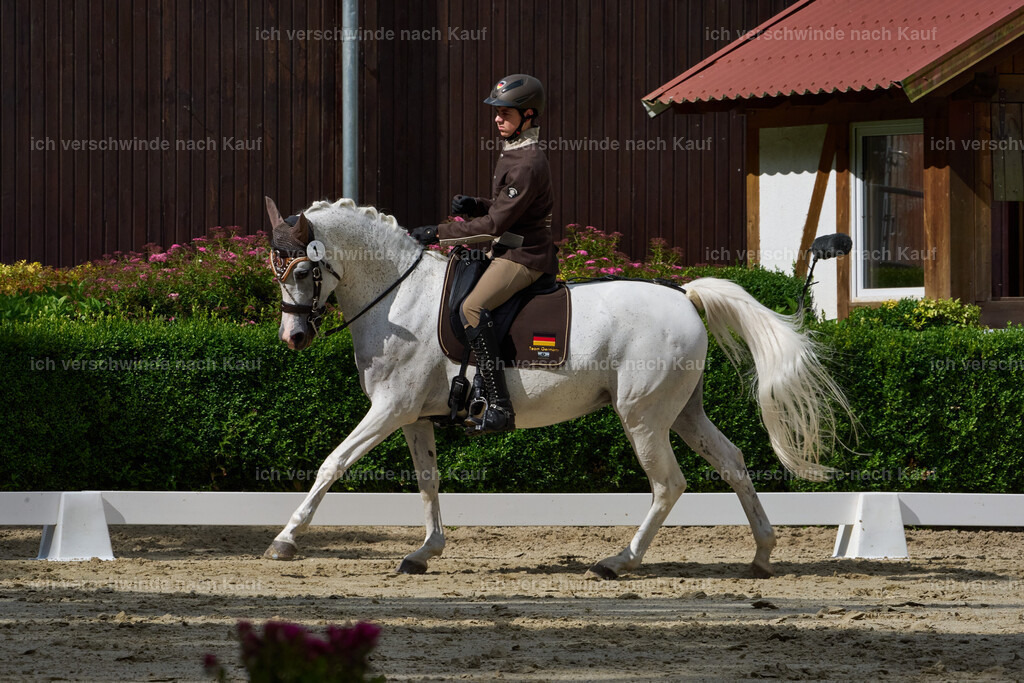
(283, 263)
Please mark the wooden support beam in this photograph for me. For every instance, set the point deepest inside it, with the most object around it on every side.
(983, 205)
(937, 282)
(753, 170)
(828, 153)
(843, 202)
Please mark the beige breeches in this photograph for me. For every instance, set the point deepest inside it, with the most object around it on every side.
(500, 281)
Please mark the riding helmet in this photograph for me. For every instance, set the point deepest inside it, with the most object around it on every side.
(518, 91)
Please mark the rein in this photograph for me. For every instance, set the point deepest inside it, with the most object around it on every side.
(314, 311)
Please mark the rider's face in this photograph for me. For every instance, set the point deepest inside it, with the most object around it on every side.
(507, 120)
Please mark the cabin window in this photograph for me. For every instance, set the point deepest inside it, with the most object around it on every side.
(888, 200)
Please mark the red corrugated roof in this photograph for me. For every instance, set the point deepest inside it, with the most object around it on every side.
(835, 46)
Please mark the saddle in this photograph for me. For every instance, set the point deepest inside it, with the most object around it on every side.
(533, 325)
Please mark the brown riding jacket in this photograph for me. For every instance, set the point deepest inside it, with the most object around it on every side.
(521, 202)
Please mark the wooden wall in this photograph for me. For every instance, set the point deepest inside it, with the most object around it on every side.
(189, 75)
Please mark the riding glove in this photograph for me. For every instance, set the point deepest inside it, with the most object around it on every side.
(463, 205)
(426, 235)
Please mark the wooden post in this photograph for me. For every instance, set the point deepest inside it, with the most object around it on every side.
(753, 163)
(936, 209)
(983, 203)
(843, 202)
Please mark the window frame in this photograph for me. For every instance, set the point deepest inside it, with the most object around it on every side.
(858, 131)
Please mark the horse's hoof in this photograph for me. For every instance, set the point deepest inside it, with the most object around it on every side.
(411, 567)
(601, 572)
(761, 571)
(281, 550)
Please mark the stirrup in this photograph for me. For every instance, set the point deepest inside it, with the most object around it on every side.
(497, 417)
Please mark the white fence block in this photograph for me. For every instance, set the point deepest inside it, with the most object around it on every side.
(877, 531)
(80, 532)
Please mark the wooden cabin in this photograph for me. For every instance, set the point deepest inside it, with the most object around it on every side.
(896, 122)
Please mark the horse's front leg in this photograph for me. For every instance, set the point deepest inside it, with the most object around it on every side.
(420, 437)
(375, 426)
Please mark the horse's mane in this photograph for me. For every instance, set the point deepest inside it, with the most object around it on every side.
(380, 218)
(282, 238)
(368, 211)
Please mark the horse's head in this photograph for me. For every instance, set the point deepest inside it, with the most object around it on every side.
(297, 261)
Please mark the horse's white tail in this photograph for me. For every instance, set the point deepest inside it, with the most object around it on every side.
(795, 393)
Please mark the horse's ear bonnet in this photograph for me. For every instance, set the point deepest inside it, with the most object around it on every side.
(288, 235)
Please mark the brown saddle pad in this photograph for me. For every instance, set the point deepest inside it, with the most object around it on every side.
(539, 337)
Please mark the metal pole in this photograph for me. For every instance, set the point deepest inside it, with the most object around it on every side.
(350, 100)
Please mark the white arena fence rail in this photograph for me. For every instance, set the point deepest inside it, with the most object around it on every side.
(871, 525)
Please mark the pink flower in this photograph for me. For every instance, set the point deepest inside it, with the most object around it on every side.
(157, 258)
(202, 249)
(590, 262)
(635, 265)
(570, 256)
(173, 296)
(582, 252)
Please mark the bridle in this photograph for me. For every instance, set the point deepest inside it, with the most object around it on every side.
(282, 263)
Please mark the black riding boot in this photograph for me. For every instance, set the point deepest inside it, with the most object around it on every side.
(496, 414)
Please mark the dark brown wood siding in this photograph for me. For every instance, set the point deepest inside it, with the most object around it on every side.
(190, 75)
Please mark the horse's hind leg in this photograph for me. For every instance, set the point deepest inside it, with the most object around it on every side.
(420, 437)
(654, 451)
(705, 438)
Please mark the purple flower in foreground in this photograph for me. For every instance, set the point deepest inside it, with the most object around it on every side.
(288, 651)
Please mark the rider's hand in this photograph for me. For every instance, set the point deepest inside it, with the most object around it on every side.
(426, 234)
(463, 205)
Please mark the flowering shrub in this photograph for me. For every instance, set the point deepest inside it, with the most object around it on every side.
(587, 252)
(286, 652)
(224, 276)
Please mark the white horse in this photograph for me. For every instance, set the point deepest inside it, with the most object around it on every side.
(635, 345)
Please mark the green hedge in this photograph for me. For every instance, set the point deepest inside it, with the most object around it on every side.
(199, 405)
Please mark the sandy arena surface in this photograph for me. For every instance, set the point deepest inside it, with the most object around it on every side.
(512, 604)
